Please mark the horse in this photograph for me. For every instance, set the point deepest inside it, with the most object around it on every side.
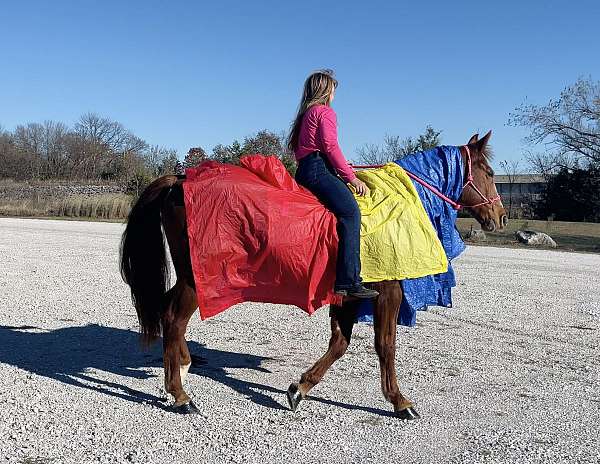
(163, 311)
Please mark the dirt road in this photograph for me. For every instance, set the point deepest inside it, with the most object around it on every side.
(510, 374)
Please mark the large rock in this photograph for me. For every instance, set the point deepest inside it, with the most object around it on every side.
(475, 235)
(531, 237)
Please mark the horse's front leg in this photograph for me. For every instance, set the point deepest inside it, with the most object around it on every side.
(385, 322)
(342, 322)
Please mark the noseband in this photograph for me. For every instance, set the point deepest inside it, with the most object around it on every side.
(454, 204)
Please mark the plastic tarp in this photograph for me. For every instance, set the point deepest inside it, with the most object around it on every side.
(397, 240)
(443, 168)
(256, 235)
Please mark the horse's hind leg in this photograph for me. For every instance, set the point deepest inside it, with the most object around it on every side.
(385, 322)
(176, 356)
(342, 322)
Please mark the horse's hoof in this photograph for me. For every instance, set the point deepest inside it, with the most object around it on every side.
(293, 396)
(408, 414)
(188, 408)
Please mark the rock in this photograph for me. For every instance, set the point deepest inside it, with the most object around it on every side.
(531, 237)
(475, 235)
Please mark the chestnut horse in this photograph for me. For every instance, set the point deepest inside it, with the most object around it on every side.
(144, 267)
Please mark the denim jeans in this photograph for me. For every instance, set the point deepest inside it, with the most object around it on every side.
(317, 175)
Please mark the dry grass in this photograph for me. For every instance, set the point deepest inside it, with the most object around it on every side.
(569, 236)
(104, 206)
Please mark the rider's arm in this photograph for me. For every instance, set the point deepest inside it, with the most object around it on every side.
(331, 147)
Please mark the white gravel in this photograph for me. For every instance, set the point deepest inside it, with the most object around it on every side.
(509, 375)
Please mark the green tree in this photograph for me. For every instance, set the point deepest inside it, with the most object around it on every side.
(227, 153)
(270, 143)
(572, 195)
(263, 142)
(194, 157)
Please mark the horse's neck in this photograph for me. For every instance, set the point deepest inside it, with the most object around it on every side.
(442, 167)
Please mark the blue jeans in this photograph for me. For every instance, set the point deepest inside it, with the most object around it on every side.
(317, 175)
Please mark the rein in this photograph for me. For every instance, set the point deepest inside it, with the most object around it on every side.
(454, 204)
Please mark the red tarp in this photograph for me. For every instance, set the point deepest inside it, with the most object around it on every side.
(256, 235)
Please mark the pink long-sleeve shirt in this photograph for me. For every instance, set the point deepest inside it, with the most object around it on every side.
(318, 132)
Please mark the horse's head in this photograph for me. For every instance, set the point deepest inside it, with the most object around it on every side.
(479, 195)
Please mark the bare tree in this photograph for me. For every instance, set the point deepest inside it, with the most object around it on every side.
(160, 160)
(394, 148)
(569, 127)
(511, 169)
(28, 141)
(54, 153)
(372, 154)
(10, 161)
(104, 143)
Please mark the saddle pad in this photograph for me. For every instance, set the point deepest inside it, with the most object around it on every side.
(256, 235)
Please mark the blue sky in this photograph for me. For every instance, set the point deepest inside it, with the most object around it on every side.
(184, 74)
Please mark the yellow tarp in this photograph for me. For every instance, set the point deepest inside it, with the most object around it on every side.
(397, 238)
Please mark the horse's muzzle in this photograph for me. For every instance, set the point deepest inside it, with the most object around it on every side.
(489, 225)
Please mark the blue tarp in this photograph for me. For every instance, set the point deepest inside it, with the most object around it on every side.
(441, 167)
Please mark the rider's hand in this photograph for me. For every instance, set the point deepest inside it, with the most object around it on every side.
(360, 187)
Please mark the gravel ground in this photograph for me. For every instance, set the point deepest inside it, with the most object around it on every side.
(509, 375)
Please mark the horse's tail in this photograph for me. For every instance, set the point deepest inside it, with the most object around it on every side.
(144, 265)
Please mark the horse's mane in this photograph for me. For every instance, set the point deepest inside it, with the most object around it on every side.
(487, 153)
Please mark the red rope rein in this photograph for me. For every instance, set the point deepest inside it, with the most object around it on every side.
(455, 205)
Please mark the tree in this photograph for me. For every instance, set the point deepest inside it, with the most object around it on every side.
(395, 148)
(95, 148)
(569, 128)
(269, 143)
(227, 153)
(170, 164)
(53, 149)
(572, 195)
(179, 168)
(511, 169)
(11, 164)
(194, 157)
(103, 144)
(160, 160)
(428, 140)
(264, 142)
(28, 143)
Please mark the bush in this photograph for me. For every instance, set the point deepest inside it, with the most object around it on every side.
(136, 184)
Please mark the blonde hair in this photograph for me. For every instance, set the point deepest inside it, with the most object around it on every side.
(317, 89)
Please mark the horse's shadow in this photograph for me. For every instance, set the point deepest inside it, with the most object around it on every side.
(73, 355)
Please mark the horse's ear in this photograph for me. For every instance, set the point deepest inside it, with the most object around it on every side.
(473, 139)
(481, 143)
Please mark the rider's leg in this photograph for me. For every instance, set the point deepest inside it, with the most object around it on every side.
(315, 174)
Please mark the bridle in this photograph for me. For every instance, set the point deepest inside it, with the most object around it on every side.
(454, 204)
(486, 200)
